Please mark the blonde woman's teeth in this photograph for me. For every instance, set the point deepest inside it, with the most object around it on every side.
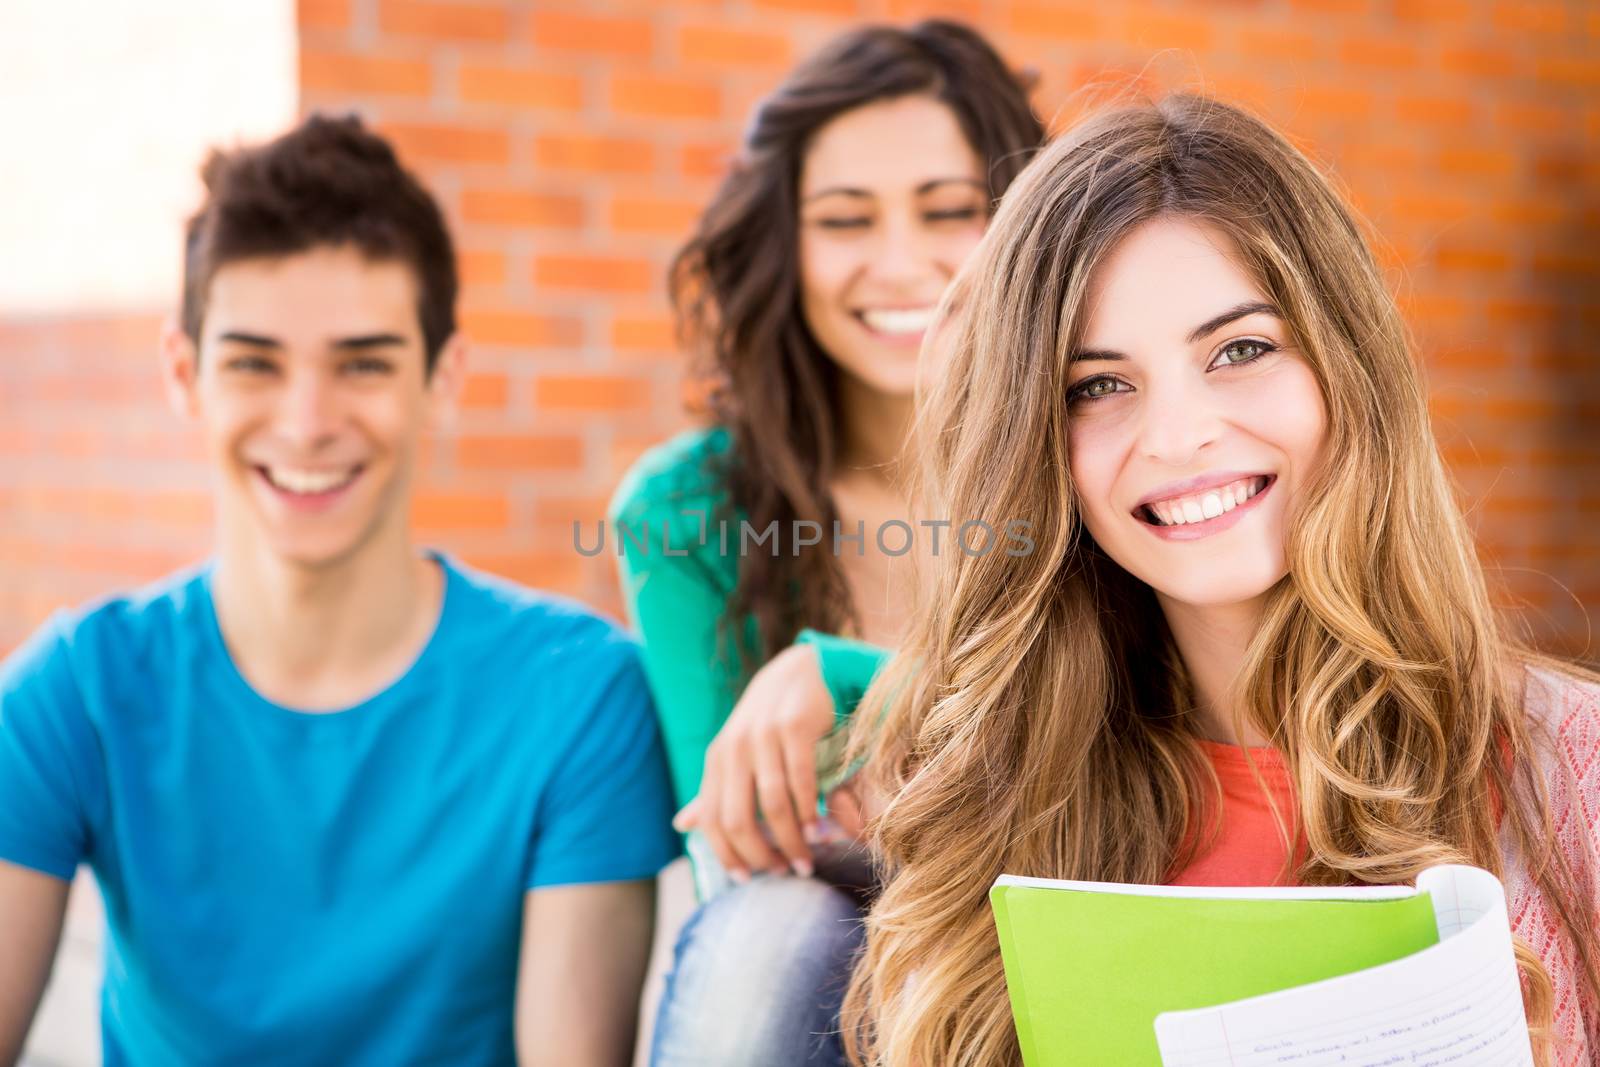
(1198, 507)
(898, 320)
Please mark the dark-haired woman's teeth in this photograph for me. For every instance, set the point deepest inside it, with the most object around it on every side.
(1198, 507)
(899, 320)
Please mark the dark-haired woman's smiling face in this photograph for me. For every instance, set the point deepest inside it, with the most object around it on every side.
(892, 201)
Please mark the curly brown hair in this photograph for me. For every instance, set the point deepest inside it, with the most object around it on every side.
(735, 287)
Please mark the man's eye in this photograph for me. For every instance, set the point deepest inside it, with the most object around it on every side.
(368, 366)
(250, 365)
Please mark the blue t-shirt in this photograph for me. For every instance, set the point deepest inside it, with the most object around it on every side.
(343, 888)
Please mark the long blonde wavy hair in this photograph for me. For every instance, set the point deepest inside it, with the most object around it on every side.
(1038, 719)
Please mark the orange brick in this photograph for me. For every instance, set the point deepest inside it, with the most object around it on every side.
(1381, 51)
(485, 391)
(836, 8)
(711, 45)
(1530, 16)
(1433, 206)
(1565, 70)
(352, 73)
(1333, 7)
(322, 14)
(644, 334)
(1528, 211)
(641, 214)
(662, 97)
(1436, 110)
(520, 86)
(1569, 264)
(519, 207)
(1472, 257)
(1433, 11)
(481, 267)
(591, 392)
(609, 274)
(1336, 102)
(438, 509)
(569, 31)
(500, 326)
(1476, 162)
(1050, 19)
(445, 143)
(1160, 29)
(1520, 117)
(1477, 62)
(706, 160)
(960, 10)
(1271, 43)
(1520, 312)
(520, 452)
(444, 21)
(594, 154)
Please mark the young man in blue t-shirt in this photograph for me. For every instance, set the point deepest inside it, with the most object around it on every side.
(347, 802)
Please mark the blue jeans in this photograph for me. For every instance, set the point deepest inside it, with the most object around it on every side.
(758, 976)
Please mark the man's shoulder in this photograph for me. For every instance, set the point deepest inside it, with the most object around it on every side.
(684, 472)
(119, 627)
(543, 628)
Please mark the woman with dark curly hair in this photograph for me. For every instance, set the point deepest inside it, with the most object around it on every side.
(863, 183)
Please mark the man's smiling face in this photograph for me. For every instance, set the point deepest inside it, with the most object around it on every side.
(311, 385)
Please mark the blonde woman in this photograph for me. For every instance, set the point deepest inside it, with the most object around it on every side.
(1173, 354)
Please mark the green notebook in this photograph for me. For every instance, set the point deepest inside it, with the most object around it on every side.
(1090, 965)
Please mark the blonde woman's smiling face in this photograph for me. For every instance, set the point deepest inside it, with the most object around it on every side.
(1194, 421)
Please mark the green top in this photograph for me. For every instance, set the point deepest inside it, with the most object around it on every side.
(678, 571)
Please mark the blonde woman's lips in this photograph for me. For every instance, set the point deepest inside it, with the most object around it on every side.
(1210, 507)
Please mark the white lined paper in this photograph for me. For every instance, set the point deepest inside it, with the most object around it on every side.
(1455, 1004)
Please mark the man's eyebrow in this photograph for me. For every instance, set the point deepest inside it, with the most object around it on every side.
(1217, 322)
(255, 339)
(368, 340)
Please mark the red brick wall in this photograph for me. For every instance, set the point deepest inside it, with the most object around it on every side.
(572, 143)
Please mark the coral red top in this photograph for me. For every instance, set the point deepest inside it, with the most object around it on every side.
(1250, 848)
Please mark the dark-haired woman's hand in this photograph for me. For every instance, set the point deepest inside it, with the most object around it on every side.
(761, 769)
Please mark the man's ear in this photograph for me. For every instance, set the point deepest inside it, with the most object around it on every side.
(445, 381)
(180, 369)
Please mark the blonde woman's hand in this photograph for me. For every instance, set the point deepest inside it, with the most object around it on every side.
(762, 765)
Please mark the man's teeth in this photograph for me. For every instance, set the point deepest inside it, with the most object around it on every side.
(1199, 507)
(898, 320)
(294, 480)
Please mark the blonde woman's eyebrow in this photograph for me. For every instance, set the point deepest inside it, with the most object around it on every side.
(1199, 333)
(1239, 311)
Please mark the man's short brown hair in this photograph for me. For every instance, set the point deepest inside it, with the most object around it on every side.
(329, 181)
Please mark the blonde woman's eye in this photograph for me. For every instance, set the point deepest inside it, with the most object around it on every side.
(1235, 353)
(1095, 388)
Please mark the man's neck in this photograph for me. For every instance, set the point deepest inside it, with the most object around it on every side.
(1213, 641)
(326, 637)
